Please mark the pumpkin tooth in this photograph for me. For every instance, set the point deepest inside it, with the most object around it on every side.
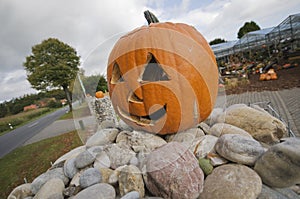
(145, 120)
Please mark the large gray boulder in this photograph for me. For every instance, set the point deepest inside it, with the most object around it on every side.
(53, 188)
(21, 191)
(239, 149)
(262, 126)
(220, 129)
(90, 177)
(84, 159)
(269, 193)
(232, 181)
(280, 165)
(140, 140)
(43, 178)
(97, 191)
(102, 137)
(119, 154)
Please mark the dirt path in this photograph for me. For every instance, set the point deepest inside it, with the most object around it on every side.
(287, 79)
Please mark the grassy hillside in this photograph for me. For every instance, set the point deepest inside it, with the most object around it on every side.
(32, 160)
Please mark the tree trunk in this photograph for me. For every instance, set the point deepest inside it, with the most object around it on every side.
(68, 96)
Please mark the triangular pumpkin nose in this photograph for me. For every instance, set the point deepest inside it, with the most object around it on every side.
(153, 71)
(136, 96)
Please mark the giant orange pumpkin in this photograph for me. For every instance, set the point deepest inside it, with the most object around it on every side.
(162, 78)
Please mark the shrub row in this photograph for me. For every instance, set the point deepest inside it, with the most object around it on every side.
(4, 125)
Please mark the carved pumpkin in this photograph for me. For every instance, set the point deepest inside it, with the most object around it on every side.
(162, 78)
(99, 94)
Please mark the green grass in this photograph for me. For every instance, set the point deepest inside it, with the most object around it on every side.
(32, 160)
(22, 118)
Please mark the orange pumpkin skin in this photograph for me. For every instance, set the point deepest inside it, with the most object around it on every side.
(262, 77)
(273, 76)
(183, 98)
(99, 94)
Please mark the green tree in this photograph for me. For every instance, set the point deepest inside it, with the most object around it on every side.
(217, 41)
(102, 84)
(56, 93)
(52, 64)
(247, 27)
(94, 83)
(3, 110)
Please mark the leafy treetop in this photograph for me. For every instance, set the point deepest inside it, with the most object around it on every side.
(248, 27)
(217, 41)
(52, 64)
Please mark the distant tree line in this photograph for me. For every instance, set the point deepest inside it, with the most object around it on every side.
(91, 83)
(216, 41)
(247, 27)
(16, 105)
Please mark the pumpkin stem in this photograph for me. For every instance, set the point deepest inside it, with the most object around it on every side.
(150, 17)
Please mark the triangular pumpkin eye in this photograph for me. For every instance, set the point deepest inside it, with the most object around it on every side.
(153, 71)
(116, 76)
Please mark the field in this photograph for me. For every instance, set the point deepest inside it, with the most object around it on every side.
(32, 160)
(20, 119)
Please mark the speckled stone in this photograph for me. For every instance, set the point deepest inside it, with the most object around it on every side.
(173, 172)
(238, 148)
(262, 126)
(131, 179)
(232, 181)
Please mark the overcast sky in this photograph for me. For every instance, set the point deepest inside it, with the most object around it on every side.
(92, 26)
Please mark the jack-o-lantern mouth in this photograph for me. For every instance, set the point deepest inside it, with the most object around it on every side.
(149, 120)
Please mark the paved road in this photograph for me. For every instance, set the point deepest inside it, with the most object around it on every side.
(17, 137)
(56, 128)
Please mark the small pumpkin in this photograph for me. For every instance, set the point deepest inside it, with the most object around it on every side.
(262, 77)
(162, 78)
(274, 76)
(268, 77)
(99, 94)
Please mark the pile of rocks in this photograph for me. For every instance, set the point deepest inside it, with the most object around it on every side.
(242, 152)
(103, 110)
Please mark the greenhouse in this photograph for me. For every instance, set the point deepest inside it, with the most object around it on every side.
(252, 40)
(287, 31)
(223, 49)
(280, 42)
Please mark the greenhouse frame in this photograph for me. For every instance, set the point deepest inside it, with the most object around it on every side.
(282, 40)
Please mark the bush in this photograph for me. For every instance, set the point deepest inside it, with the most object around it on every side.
(54, 104)
(16, 120)
(4, 126)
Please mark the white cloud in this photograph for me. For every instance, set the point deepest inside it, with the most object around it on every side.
(14, 84)
(235, 13)
(81, 24)
(89, 26)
